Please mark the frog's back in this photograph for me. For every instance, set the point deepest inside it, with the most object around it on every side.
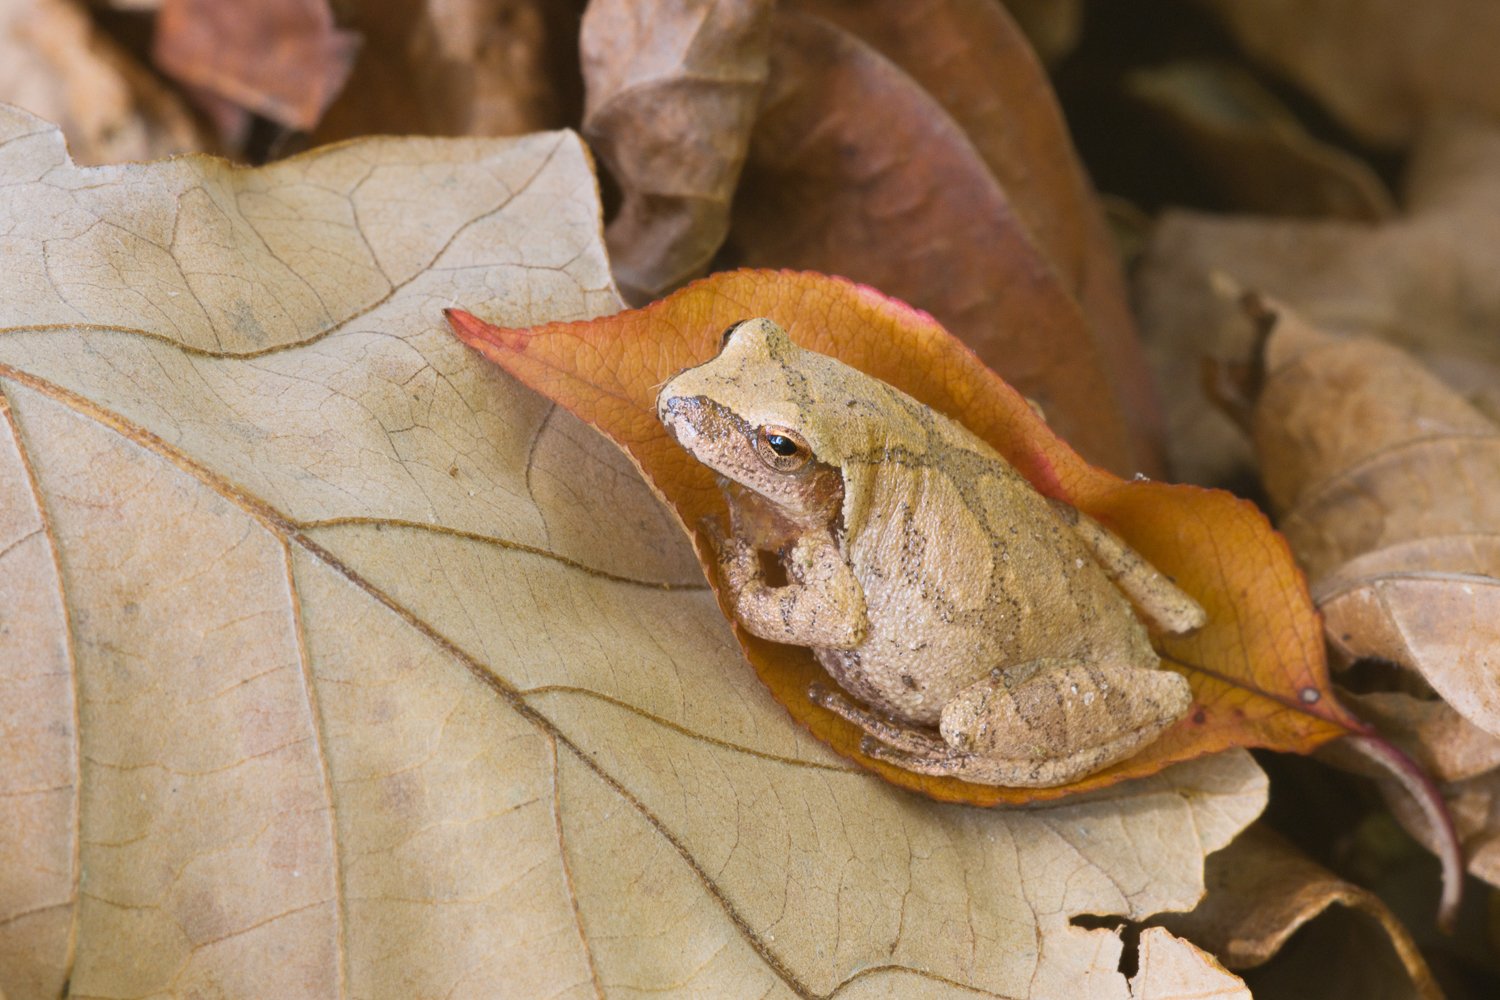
(966, 568)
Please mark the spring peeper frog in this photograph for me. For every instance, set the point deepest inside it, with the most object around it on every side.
(987, 632)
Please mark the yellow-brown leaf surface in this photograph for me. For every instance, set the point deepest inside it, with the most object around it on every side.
(336, 663)
(1257, 668)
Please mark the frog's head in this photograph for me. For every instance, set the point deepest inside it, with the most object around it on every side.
(787, 423)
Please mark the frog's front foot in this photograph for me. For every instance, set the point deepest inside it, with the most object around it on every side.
(739, 566)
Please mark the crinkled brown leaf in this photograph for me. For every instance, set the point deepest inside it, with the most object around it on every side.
(1257, 666)
(56, 64)
(1385, 68)
(337, 663)
(1248, 148)
(833, 184)
(1389, 484)
(1389, 488)
(673, 87)
(1424, 281)
(284, 59)
(970, 58)
(1262, 891)
(439, 67)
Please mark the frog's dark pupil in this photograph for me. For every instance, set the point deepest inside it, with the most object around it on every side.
(724, 337)
(781, 445)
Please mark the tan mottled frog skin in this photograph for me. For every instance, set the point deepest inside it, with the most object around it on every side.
(989, 633)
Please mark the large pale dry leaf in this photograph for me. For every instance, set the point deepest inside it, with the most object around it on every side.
(673, 87)
(833, 183)
(1385, 68)
(337, 663)
(1262, 891)
(1173, 969)
(54, 63)
(1424, 281)
(456, 67)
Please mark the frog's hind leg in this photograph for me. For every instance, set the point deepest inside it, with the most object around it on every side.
(907, 747)
(905, 738)
(1052, 721)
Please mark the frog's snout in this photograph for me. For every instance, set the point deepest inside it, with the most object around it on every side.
(675, 413)
(670, 409)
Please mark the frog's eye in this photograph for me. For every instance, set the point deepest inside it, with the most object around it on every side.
(781, 448)
(729, 332)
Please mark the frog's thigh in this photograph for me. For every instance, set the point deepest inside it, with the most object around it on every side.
(1051, 721)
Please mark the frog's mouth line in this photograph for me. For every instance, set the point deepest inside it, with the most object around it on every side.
(692, 418)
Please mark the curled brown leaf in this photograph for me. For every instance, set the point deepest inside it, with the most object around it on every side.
(1389, 488)
(1262, 891)
(284, 59)
(672, 91)
(830, 186)
(55, 63)
(1423, 281)
(436, 67)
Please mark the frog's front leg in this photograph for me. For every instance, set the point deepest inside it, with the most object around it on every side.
(822, 606)
(1160, 603)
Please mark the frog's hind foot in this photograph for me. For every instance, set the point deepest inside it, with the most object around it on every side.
(906, 738)
(972, 767)
(941, 761)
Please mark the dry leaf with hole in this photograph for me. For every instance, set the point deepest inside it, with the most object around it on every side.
(1262, 891)
(830, 186)
(1173, 969)
(1424, 281)
(55, 63)
(672, 92)
(1257, 666)
(326, 642)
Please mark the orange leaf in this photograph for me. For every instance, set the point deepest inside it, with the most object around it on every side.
(1257, 669)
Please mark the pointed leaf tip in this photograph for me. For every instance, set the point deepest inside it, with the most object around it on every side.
(486, 338)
